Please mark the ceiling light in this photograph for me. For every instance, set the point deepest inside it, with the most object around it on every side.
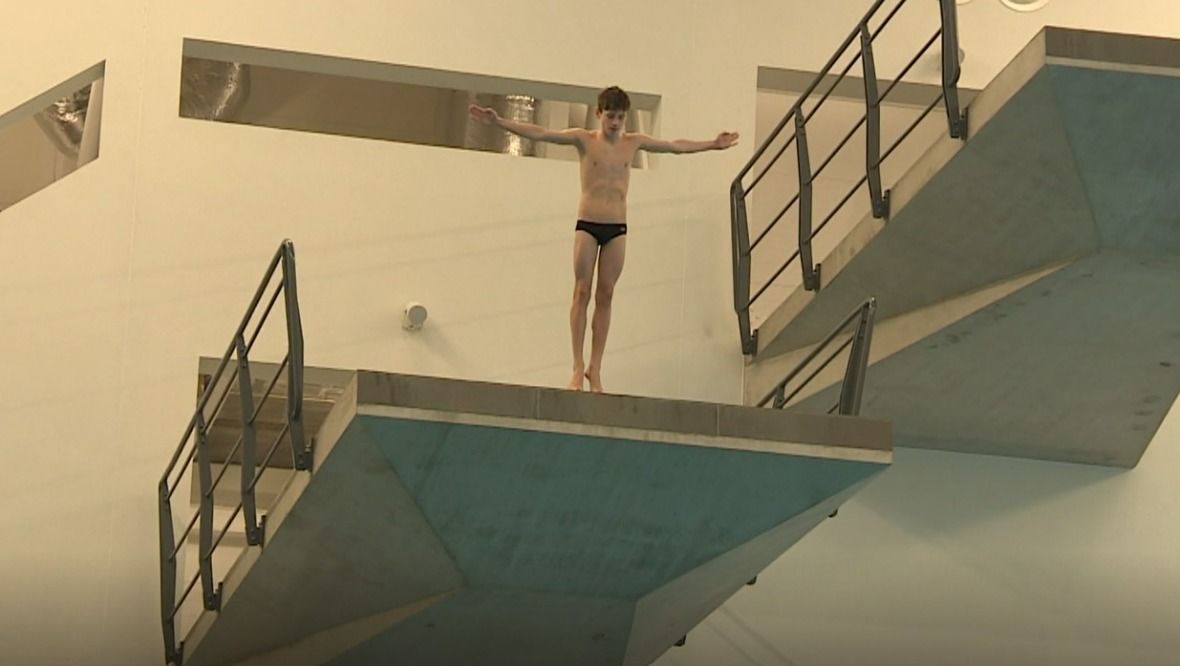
(1024, 5)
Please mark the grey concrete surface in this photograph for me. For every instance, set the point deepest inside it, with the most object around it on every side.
(450, 521)
(1076, 164)
(1043, 373)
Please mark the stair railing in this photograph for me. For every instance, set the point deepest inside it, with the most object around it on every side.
(796, 120)
(853, 383)
(194, 448)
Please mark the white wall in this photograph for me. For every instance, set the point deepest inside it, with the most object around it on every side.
(114, 280)
(76, 567)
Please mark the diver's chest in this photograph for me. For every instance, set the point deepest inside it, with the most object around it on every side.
(612, 162)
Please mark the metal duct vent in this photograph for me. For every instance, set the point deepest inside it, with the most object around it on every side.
(520, 108)
(63, 121)
(212, 89)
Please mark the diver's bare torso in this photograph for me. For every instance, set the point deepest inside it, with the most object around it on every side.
(606, 174)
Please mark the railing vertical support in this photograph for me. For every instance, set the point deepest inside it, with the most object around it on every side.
(810, 275)
(956, 121)
(872, 124)
(249, 459)
(741, 264)
(300, 450)
(205, 540)
(780, 396)
(858, 360)
(167, 574)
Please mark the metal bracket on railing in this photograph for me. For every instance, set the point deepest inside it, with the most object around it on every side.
(956, 120)
(810, 278)
(872, 124)
(249, 444)
(262, 530)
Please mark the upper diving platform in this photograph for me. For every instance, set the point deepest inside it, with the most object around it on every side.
(1026, 276)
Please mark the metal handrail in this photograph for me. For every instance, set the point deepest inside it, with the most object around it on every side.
(852, 386)
(798, 118)
(193, 448)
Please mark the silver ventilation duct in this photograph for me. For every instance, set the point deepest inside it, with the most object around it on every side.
(63, 121)
(212, 89)
(520, 108)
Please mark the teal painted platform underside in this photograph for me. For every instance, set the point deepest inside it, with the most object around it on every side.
(592, 515)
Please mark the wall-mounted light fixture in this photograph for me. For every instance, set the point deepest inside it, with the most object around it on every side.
(1016, 5)
(1024, 5)
(414, 316)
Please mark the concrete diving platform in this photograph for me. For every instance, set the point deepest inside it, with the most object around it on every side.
(1026, 278)
(458, 522)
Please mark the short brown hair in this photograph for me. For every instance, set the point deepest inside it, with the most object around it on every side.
(613, 99)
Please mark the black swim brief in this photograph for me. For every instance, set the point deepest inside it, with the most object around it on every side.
(603, 232)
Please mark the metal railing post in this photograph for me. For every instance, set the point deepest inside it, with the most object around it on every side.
(741, 264)
(858, 361)
(249, 459)
(167, 574)
(956, 120)
(300, 450)
(810, 274)
(205, 536)
(872, 125)
(850, 389)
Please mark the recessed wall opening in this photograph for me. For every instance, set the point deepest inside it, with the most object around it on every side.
(373, 100)
(50, 136)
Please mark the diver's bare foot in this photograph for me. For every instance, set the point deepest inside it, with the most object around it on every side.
(595, 380)
(576, 381)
